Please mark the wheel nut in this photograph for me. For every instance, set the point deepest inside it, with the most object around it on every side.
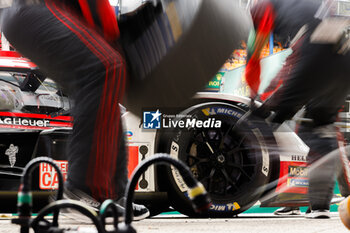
(221, 159)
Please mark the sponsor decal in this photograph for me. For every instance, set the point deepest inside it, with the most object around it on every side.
(225, 207)
(33, 121)
(292, 171)
(48, 176)
(11, 153)
(128, 135)
(291, 182)
(157, 120)
(215, 83)
(151, 120)
(24, 122)
(301, 158)
(221, 111)
(296, 171)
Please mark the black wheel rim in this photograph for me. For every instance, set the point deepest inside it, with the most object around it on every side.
(222, 159)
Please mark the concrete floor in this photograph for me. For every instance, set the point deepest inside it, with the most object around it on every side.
(245, 223)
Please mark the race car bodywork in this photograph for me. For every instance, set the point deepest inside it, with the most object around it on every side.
(239, 174)
(32, 123)
(241, 162)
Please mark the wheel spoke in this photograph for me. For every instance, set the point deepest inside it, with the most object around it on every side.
(211, 175)
(241, 141)
(241, 169)
(218, 133)
(209, 147)
(197, 160)
(221, 145)
(212, 172)
(206, 142)
(196, 139)
(228, 179)
(204, 136)
(208, 179)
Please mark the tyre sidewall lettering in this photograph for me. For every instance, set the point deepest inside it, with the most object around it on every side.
(174, 152)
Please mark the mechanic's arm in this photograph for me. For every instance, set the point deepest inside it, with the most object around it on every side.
(263, 18)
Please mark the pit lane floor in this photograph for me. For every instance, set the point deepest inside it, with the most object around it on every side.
(244, 223)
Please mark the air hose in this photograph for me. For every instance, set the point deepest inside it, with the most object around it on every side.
(24, 197)
(197, 193)
(39, 224)
(42, 226)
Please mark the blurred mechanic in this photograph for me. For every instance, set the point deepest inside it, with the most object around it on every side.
(314, 75)
(75, 43)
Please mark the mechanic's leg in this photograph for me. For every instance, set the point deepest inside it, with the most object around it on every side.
(81, 60)
(321, 141)
(307, 78)
(121, 176)
(321, 137)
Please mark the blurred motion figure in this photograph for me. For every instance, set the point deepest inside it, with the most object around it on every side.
(314, 76)
(76, 43)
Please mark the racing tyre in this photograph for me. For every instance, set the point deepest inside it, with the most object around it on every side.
(232, 161)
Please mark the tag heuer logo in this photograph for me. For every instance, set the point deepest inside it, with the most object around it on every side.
(11, 153)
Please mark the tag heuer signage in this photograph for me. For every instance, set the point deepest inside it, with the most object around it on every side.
(33, 121)
(24, 122)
